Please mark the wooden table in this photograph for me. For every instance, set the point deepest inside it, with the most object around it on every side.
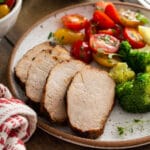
(33, 10)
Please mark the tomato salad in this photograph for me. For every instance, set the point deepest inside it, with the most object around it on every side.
(100, 37)
(6, 6)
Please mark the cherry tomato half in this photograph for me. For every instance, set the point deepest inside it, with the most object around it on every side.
(105, 60)
(109, 31)
(117, 32)
(104, 43)
(66, 36)
(103, 20)
(90, 29)
(134, 37)
(112, 12)
(101, 5)
(74, 22)
(81, 50)
(128, 18)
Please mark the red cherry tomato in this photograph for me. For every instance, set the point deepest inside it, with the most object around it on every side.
(101, 5)
(109, 31)
(118, 32)
(81, 50)
(134, 37)
(74, 22)
(10, 3)
(104, 43)
(90, 29)
(112, 12)
(103, 20)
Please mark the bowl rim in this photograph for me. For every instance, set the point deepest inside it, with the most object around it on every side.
(17, 5)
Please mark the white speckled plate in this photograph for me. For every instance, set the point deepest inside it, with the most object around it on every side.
(135, 134)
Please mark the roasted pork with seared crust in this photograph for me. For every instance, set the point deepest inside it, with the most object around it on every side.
(24, 63)
(57, 86)
(40, 68)
(90, 99)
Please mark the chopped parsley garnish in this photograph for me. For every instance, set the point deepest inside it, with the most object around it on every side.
(121, 130)
(51, 34)
(136, 120)
(129, 128)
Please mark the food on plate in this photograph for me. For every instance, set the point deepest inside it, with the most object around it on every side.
(40, 68)
(102, 20)
(107, 60)
(134, 95)
(104, 32)
(6, 6)
(90, 99)
(133, 37)
(23, 65)
(121, 73)
(67, 36)
(138, 60)
(56, 87)
(112, 12)
(104, 43)
(82, 51)
(101, 5)
(51, 73)
(144, 31)
(75, 22)
(130, 18)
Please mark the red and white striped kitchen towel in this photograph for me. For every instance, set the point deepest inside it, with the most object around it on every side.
(17, 121)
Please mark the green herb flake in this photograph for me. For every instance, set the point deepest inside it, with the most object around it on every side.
(142, 18)
(51, 34)
(120, 130)
(137, 120)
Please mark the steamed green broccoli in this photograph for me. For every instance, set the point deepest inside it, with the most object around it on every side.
(137, 59)
(134, 96)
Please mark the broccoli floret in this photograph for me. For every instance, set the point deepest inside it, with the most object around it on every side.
(121, 73)
(134, 96)
(138, 60)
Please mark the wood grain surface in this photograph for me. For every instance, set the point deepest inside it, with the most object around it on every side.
(33, 10)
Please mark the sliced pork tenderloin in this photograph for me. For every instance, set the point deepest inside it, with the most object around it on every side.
(39, 70)
(56, 88)
(90, 99)
(24, 63)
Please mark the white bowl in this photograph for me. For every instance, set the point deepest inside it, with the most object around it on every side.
(7, 22)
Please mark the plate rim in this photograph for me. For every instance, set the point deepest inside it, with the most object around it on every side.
(53, 131)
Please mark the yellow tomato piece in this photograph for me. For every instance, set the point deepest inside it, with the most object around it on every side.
(104, 60)
(128, 18)
(4, 10)
(145, 33)
(66, 36)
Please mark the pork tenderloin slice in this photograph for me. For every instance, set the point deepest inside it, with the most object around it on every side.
(56, 88)
(39, 70)
(90, 99)
(24, 63)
